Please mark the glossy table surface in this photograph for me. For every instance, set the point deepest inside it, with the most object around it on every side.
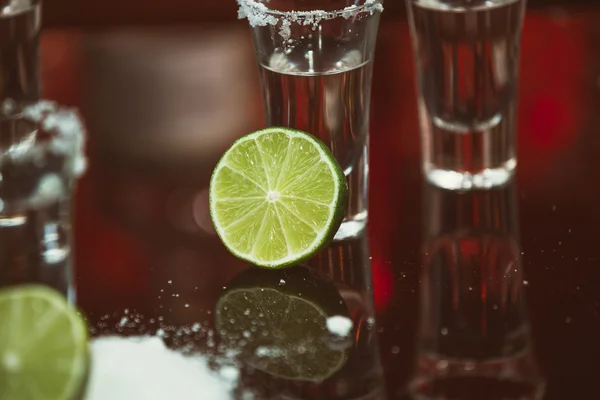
(162, 104)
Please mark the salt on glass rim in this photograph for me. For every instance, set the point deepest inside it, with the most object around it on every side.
(258, 14)
(64, 124)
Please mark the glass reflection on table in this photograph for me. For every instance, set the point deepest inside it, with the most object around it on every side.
(474, 337)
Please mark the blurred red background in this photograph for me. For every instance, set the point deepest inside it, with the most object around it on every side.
(93, 13)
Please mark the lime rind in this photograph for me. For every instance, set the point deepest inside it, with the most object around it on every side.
(251, 193)
(39, 365)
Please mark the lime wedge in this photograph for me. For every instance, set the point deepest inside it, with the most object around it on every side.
(277, 321)
(43, 345)
(277, 196)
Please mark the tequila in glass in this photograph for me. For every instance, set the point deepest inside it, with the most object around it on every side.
(316, 68)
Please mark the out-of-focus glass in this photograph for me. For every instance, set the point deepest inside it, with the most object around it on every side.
(41, 157)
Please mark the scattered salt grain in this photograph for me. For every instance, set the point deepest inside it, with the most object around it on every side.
(143, 368)
(370, 322)
(269, 352)
(340, 326)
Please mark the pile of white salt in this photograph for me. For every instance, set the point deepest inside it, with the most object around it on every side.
(143, 368)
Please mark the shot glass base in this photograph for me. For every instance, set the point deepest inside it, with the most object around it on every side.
(464, 180)
(352, 227)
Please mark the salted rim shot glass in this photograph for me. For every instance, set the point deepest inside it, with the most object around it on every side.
(315, 60)
(467, 66)
(41, 158)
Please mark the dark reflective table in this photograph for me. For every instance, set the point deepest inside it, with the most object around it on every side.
(485, 295)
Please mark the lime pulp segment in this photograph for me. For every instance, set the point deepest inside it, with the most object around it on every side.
(43, 345)
(276, 196)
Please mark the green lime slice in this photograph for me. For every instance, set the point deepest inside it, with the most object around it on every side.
(277, 321)
(277, 196)
(43, 345)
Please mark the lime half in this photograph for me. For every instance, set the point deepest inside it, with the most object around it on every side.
(277, 320)
(43, 345)
(277, 196)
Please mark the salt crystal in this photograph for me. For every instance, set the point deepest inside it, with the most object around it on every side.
(230, 375)
(269, 352)
(144, 368)
(255, 12)
(374, 5)
(370, 322)
(339, 325)
(66, 129)
(285, 30)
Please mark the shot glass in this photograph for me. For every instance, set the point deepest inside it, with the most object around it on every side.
(41, 157)
(467, 63)
(20, 22)
(316, 67)
(474, 338)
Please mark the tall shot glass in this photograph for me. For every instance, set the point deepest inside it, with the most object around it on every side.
(315, 69)
(467, 63)
(41, 157)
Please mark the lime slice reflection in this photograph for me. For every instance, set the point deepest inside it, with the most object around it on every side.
(277, 319)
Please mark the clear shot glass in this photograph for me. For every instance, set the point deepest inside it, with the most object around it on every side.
(316, 67)
(467, 64)
(41, 157)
